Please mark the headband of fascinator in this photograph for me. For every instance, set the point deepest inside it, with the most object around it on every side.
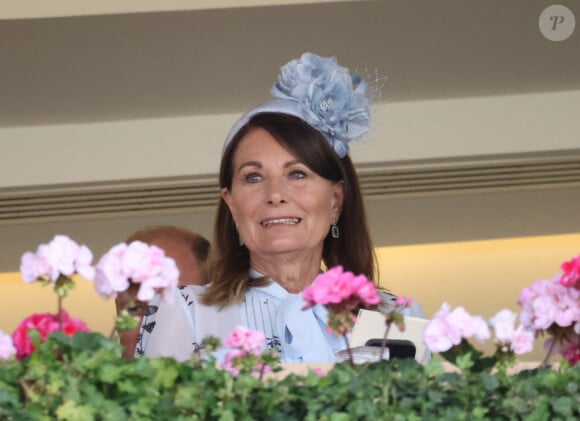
(323, 94)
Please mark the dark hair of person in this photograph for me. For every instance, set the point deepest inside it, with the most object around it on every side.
(197, 243)
(229, 262)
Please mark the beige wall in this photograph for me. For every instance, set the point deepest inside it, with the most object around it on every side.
(403, 131)
(27, 10)
(482, 276)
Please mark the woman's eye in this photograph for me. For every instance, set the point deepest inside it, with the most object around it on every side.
(253, 178)
(297, 174)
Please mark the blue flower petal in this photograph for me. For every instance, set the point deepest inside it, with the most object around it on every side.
(328, 98)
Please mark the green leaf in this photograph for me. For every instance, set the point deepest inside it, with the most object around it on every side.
(126, 322)
(434, 368)
(490, 383)
(70, 411)
(479, 413)
(35, 337)
(563, 405)
(468, 358)
(464, 361)
(340, 416)
(166, 371)
(110, 373)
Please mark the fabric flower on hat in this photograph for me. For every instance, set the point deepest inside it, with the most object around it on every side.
(296, 76)
(328, 98)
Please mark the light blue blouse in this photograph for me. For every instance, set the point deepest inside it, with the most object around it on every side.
(178, 329)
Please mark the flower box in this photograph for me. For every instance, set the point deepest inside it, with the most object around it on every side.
(61, 371)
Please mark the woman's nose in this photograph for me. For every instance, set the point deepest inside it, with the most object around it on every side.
(275, 192)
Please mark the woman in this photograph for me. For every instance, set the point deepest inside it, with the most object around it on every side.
(290, 203)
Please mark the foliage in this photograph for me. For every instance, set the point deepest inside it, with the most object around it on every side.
(84, 378)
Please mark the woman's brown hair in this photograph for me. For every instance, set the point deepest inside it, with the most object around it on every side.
(229, 261)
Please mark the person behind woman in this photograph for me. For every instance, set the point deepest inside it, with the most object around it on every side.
(290, 205)
(189, 250)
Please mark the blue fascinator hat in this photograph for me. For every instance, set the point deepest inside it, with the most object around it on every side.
(323, 94)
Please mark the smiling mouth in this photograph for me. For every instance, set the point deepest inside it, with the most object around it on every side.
(282, 221)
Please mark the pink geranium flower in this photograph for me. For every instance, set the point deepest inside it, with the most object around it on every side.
(61, 256)
(520, 340)
(439, 336)
(338, 289)
(44, 323)
(137, 263)
(503, 323)
(548, 302)
(245, 340)
(343, 293)
(553, 306)
(7, 349)
(318, 371)
(246, 347)
(449, 327)
(571, 351)
(231, 361)
(403, 301)
(571, 275)
(330, 287)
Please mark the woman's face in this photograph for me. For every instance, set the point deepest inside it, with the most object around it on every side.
(279, 205)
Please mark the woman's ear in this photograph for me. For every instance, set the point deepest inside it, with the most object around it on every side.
(227, 197)
(337, 199)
